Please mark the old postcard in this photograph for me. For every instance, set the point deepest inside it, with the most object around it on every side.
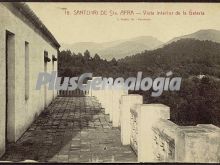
(109, 82)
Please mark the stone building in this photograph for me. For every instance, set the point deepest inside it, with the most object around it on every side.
(27, 47)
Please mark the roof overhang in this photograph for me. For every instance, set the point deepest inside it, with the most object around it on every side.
(32, 17)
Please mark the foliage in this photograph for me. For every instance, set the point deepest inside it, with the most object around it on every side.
(185, 57)
(70, 65)
(198, 101)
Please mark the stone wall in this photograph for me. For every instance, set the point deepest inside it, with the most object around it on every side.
(164, 140)
(199, 143)
(21, 111)
(154, 138)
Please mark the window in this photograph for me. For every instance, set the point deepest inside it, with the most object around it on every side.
(26, 70)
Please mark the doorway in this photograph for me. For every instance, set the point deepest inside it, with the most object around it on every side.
(45, 86)
(10, 87)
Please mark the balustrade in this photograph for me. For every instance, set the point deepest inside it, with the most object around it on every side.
(150, 133)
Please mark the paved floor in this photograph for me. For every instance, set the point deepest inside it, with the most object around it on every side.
(71, 129)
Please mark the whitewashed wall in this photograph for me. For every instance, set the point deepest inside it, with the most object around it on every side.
(25, 111)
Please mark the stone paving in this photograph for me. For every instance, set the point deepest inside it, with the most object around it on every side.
(71, 129)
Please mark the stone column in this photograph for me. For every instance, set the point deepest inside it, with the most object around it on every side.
(95, 92)
(109, 102)
(147, 115)
(127, 101)
(199, 143)
(90, 89)
(117, 93)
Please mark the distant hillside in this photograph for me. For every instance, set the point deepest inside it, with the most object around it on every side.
(185, 56)
(208, 34)
(82, 46)
(198, 100)
(93, 47)
(116, 49)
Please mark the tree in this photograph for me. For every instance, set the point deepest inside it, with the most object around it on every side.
(87, 56)
(79, 54)
(113, 61)
(97, 57)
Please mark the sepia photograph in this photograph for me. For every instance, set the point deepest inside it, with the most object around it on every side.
(113, 82)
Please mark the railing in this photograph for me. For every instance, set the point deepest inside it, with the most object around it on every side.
(74, 93)
(150, 133)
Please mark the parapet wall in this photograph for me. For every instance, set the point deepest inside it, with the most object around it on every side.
(152, 136)
(199, 143)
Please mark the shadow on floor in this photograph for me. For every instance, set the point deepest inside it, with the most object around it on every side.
(71, 129)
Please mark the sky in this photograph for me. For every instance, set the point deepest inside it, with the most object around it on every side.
(74, 28)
